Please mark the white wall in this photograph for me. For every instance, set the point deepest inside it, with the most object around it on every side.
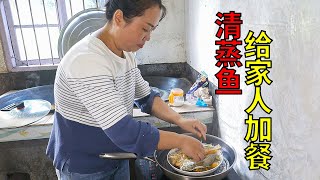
(3, 68)
(167, 44)
(294, 27)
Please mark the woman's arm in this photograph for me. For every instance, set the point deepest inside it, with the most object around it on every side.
(189, 145)
(162, 111)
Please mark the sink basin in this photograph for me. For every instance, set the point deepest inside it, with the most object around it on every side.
(39, 92)
(164, 84)
(168, 83)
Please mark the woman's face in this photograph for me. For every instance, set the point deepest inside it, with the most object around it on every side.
(133, 35)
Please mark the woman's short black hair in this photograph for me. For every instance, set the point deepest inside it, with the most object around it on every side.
(132, 8)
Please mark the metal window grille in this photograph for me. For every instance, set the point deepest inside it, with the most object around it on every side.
(30, 29)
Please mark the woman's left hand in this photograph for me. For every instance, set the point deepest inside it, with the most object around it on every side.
(194, 126)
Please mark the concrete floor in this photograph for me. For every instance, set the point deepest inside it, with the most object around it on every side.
(25, 157)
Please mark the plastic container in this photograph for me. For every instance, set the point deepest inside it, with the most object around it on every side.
(176, 97)
(191, 99)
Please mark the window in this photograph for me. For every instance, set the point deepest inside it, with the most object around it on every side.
(30, 30)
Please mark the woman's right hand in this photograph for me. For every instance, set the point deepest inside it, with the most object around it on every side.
(192, 148)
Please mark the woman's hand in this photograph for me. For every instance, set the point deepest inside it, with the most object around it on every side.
(192, 148)
(194, 126)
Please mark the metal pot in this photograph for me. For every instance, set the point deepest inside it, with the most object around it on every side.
(160, 158)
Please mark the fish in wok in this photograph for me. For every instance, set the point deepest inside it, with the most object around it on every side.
(213, 158)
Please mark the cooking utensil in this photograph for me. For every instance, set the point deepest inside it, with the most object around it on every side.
(160, 158)
(23, 113)
(208, 161)
(40, 92)
(78, 26)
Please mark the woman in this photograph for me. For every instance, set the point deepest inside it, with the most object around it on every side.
(96, 83)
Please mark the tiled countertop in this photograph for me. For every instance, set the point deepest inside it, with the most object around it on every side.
(42, 128)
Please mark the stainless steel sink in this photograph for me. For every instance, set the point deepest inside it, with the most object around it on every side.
(165, 84)
(168, 83)
(39, 92)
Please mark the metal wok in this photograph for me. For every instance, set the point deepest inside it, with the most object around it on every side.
(160, 158)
